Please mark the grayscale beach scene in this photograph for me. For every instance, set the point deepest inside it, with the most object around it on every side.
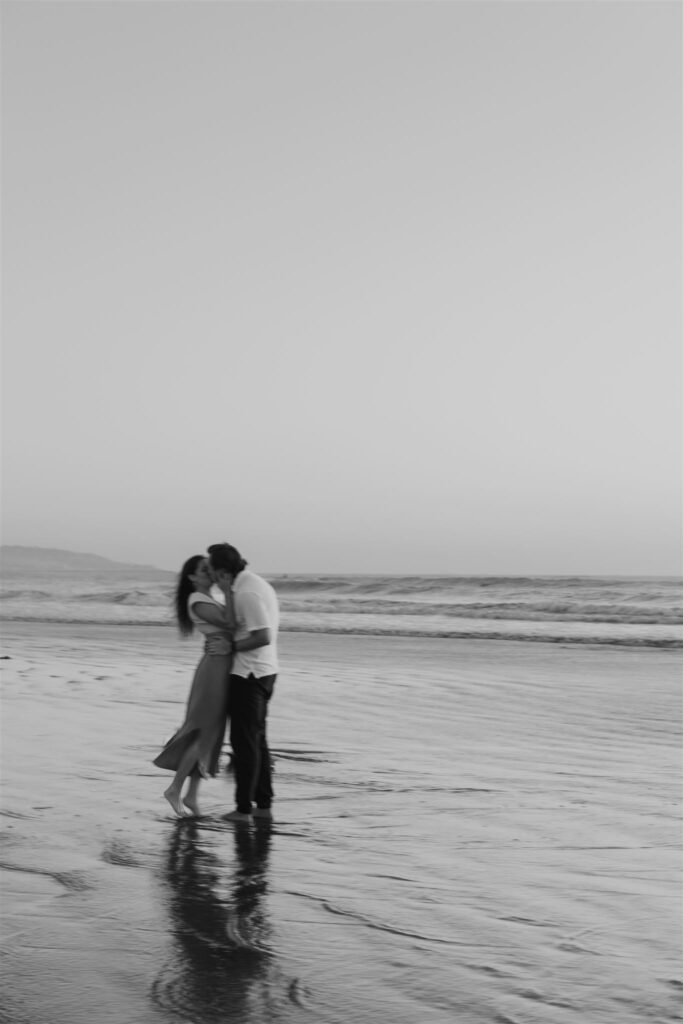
(475, 821)
(341, 567)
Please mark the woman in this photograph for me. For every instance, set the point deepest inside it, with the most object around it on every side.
(194, 750)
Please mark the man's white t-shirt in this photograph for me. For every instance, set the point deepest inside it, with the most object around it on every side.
(256, 607)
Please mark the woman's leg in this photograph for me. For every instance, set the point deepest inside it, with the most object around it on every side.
(190, 800)
(187, 763)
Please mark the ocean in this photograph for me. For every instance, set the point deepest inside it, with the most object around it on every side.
(631, 611)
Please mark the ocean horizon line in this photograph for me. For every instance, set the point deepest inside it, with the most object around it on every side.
(33, 552)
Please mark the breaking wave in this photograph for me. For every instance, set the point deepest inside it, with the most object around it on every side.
(640, 611)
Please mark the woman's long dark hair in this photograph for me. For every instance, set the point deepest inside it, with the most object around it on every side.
(184, 588)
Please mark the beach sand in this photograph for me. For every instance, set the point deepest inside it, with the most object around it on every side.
(464, 831)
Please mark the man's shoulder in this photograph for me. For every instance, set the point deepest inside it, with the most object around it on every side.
(252, 582)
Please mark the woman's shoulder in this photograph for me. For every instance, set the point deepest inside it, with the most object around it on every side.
(202, 619)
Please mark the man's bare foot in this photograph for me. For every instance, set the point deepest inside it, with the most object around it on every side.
(193, 807)
(175, 801)
(238, 817)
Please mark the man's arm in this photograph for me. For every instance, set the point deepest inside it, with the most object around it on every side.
(256, 638)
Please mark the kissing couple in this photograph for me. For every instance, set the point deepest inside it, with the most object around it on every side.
(234, 678)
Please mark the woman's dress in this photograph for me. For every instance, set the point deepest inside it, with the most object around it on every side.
(206, 714)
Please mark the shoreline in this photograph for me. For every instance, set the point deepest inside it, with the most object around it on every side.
(638, 643)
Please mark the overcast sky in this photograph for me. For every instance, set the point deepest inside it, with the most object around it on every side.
(363, 287)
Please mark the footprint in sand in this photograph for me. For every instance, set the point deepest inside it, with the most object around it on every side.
(119, 853)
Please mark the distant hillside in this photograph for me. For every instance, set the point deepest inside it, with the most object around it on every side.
(24, 559)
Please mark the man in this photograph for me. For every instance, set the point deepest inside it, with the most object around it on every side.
(254, 670)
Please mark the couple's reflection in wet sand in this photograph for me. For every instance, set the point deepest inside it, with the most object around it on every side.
(223, 968)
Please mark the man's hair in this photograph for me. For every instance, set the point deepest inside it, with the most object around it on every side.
(226, 557)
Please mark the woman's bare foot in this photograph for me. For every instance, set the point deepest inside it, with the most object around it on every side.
(174, 800)
(193, 807)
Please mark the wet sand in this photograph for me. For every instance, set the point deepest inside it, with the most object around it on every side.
(465, 830)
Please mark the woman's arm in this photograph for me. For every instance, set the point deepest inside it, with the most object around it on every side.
(230, 617)
(224, 582)
(210, 612)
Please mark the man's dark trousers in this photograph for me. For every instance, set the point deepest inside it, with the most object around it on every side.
(251, 758)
